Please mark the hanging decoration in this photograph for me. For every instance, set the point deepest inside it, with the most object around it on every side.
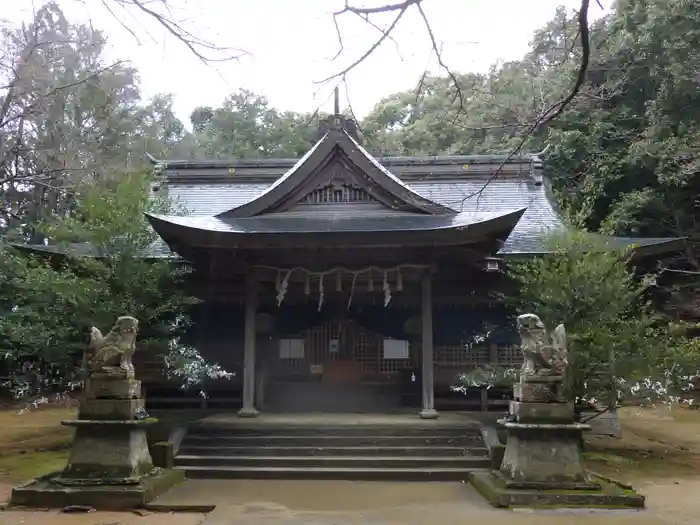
(320, 292)
(387, 290)
(352, 290)
(282, 288)
(284, 274)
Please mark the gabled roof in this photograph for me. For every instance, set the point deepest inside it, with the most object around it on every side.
(337, 148)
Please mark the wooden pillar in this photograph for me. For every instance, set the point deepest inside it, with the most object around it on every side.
(251, 307)
(428, 411)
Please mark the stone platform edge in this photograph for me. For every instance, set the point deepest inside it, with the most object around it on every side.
(612, 495)
(42, 493)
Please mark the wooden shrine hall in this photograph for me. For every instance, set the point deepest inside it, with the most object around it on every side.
(340, 282)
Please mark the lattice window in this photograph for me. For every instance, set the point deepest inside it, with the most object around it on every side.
(459, 357)
(509, 355)
(342, 341)
(337, 194)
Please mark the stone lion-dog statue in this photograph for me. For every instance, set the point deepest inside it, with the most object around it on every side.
(544, 355)
(111, 354)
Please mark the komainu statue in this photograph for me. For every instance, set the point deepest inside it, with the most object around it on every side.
(111, 354)
(544, 355)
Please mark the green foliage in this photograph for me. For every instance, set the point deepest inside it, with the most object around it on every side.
(488, 376)
(246, 127)
(49, 304)
(613, 332)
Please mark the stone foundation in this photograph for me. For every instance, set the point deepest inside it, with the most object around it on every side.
(46, 493)
(610, 495)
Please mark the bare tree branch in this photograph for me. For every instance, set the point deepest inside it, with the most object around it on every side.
(438, 56)
(385, 33)
(555, 109)
(198, 46)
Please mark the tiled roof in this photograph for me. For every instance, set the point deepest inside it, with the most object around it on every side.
(465, 195)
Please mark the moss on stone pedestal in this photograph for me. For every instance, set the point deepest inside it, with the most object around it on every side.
(611, 495)
(110, 464)
(45, 492)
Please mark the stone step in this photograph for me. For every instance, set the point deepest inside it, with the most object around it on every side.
(316, 430)
(386, 462)
(449, 451)
(334, 473)
(323, 440)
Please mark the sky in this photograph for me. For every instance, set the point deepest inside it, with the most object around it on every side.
(290, 46)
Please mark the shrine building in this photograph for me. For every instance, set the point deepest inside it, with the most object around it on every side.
(344, 282)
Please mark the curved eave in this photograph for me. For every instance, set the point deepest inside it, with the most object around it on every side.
(406, 230)
(640, 248)
(643, 248)
(82, 250)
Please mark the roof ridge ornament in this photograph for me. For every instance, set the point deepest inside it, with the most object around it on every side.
(537, 165)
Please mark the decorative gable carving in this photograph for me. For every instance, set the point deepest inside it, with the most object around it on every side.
(341, 187)
(337, 194)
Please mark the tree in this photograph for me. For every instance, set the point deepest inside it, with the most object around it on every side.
(50, 303)
(627, 163)
(246, 127)
(622, 158)
(67, 117)
(618, 344)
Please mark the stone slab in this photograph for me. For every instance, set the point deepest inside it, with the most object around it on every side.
(110, 409)
(43, 493)
(163, 455)
(494, 445)
(525, 412)
(606, 424)
(612, 495)
(112, 388)
(584, 483)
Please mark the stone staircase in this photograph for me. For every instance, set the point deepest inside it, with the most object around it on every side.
(348, 452)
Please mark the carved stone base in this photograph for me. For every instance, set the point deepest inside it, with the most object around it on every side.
(111, 409)
(538, 412)
(109, 387)
(108, 452)
(544, 454)
(546, 389)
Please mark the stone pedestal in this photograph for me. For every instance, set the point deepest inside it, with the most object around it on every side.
(542, 464)
(110, 466)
